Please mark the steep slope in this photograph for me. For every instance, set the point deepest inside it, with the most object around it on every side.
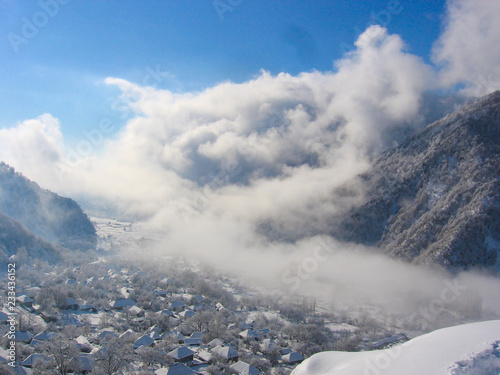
(436, 197)
(14, 237)
(466, 349)
(48, 215)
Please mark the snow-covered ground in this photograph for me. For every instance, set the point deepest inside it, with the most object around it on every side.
(465, 349)
(115, 232)
(339, 327)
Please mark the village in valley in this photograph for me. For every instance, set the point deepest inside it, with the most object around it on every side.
(104, 313)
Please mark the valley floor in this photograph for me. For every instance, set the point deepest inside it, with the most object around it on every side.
(141, 314)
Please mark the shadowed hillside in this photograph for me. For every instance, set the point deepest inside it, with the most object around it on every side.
(436, 197)
(52, 217)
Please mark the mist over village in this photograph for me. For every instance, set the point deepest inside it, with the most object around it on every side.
(250, 187)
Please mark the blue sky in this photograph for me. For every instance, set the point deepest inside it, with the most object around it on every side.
(181, 46)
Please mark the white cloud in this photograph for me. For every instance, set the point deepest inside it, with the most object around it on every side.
(468, 48)
(215, 169)
(34, 147)
(272, 148)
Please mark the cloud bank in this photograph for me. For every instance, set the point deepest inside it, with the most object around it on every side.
(34, 147)
(270, 141)
(467, 49)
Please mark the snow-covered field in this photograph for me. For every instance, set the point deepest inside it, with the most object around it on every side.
(465, 349)
(117, 233)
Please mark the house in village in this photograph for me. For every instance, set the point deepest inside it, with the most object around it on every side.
(225, 353)
(4, 318)
(196, 339)
(70, 304)
(23, 336)
(166, 281)
(122, 303)
(48, 317)
(219, 306)
(176, 335)
(178, 369)
(249, 334)
(88, 308)
(192, 342)
(389, 340)
(197, 307)
(83, 344)
(161, 293)
(154, 332)
(167, 313)
(187, 313)
(245, 326)
(45, 336)
(204, 355)
(199, 298)
(293, 357)
(177, 305)
(136, 311)
(29, 362)
(244, 368)
(128, 335)
(25, 301)
(181, 354)
(86, 364)
(36, 344)
(107, 334)
(215, 342)
(196, 335)
(143, 341)
(32, 291)
(268, 345)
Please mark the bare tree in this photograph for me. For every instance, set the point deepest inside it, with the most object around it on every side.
(217, 326)
(64, 354)
(201, 320)
(274, 356)
(26, 322)
(6, 370)
(113, 357)
(152, 357)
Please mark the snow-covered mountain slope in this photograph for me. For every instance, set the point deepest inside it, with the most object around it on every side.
(435, 198)
(465, 349)
(54, 218)
(14, 236)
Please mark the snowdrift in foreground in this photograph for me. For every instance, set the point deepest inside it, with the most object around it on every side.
(465, 349)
